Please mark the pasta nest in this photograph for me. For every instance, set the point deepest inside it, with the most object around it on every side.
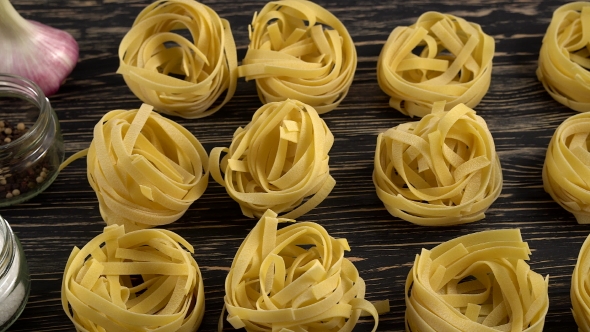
(564, 59)
(274, 284)
(146, 170)
(566, 172)
(476, 283)
(279, 159)
(301, 51)
(440, 57)
(138, 281)
(441, 170)
(180, 76)
(579, 290)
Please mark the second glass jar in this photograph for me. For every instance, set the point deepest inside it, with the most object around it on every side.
(31, 144)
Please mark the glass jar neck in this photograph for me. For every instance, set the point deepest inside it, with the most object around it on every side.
(30, 146)
(7, 248)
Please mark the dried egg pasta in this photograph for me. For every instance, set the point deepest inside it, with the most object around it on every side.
(564, 59)
(146, 170)
(274, 284)
(179, 76)
(301, 51)
(454, 64)
(579, 288)
(441, 170)
(138, 281)
(476, 283)
(566, 172)
(276, 161)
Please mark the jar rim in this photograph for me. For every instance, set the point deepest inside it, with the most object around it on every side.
(22, 86)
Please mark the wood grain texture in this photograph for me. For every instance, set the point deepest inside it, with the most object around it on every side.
(520, 114)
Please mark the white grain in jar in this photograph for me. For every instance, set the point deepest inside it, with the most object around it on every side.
(14, 276)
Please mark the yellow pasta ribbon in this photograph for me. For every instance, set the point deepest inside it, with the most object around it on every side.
(453, 63)
(276, 285)
(179, 76)
(279, 159)
(441, 170)
(146, 170)
(579, 288)
(476, 283)
(566, 172)
(564, 59)
(299, 50)
(138, 281)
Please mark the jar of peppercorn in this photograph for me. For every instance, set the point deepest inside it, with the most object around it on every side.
(31, 145)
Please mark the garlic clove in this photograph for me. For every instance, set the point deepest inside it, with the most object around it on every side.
(34, 50)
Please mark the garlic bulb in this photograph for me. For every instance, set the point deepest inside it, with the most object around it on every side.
(36, 51)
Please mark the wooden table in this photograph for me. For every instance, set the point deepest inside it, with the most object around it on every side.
(520, 114)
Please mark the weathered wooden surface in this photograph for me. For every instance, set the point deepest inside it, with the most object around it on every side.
(521, 116)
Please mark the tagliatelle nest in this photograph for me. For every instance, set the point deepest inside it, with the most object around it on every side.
(276, 284)
(279, 159)
(138, 281)
(301, 51)
(441, 170)
(180, 76)
(580, 296)
(566, 172)
(564, 59)
(146, 170)
(441, 57)
(476, 283)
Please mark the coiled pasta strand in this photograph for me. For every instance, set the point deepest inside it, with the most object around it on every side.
(476, 283)
(566, 171)
(453, 64)
(176, 75)
(279, 159)
(564, 59)
(299, 50)
(145, 169)
(441, 170)
(137, 281)
(275, 284)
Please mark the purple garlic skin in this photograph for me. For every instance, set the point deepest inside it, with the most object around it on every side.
(49, 59)
(34, 50)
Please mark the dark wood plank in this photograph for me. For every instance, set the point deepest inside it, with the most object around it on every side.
(521, 115)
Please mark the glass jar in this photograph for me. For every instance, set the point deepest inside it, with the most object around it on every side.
(14, 277)
(31, 145)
